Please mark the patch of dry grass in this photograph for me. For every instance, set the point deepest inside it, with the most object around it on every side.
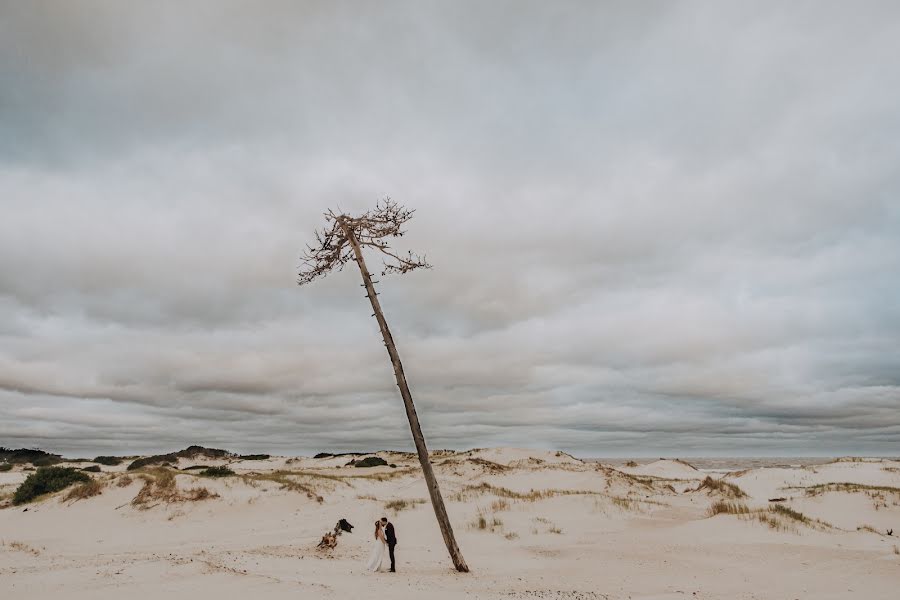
(403, 504)
(790, 513)
(287, 481)
(646, 482)
(771, 520)
(484, 522)
(499, 505)
(197, 494)
(470, 491)
(488, 465)
(719, 486)
(22, 547)
(815, 490)
(551, 527)
(160, 488)
(88, 489)
(777, 517)
(124, 481)
(720, 507)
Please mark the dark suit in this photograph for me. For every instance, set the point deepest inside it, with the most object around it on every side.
(391, 539)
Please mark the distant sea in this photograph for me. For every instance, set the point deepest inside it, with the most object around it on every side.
(722, 465)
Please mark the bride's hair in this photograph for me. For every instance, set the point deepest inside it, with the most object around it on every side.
(377, 525)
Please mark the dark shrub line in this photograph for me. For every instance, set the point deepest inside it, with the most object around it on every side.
(47, 480)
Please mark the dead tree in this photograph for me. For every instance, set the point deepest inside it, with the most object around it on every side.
(341, 241)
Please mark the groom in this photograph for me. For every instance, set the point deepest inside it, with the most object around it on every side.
(391, 539)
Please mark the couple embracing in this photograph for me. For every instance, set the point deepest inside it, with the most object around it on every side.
(385, 539)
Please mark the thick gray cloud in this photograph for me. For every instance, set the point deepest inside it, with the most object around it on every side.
(656, 228)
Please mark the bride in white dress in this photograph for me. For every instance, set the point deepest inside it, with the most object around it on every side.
(378, 550)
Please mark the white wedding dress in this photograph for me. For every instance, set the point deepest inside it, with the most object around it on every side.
(377, 555)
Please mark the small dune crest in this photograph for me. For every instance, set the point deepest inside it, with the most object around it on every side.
(665, 468)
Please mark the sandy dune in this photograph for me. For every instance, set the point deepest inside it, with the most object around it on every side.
(554, 527)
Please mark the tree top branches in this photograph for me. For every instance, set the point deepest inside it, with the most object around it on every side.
(334, 243)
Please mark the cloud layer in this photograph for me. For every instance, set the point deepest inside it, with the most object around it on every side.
(656, 229)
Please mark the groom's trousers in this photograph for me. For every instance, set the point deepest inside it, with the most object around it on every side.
(391, 552)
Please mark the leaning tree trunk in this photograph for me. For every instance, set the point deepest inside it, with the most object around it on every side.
(440, 511)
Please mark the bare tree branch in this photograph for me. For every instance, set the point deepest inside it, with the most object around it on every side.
(332, 249)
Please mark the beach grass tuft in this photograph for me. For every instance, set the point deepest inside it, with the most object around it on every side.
(729, 490)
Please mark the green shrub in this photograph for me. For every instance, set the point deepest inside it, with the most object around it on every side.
(25, 455)
(255, 457)
(92, 469)
(218, 472)
(47, 480)
(370, 461)
(172, 457)
(5, 467)
(110, 461)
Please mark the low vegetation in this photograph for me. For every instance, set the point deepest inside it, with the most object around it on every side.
(790, 513)
(217, 472)
(720, 507)
(333, 455)
(719, 486)
(286, 480)
(47, 480)
(815, 490)
(5, 467)
(369, 461)
(778, 516)
(254, 457)
(172, 457)
(88, 489)
(109, 461)
(771, 521)
(646, 482)
(91, 469)
(488, 465)
(383, 476)
(551, 527)
(533, 495)
(160, 487)
(499, 505)
(21, 547)
(400, 504)
(38, 458)
(485, 523)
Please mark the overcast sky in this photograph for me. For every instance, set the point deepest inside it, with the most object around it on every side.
(657, 228)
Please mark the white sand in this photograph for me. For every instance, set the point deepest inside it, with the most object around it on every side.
(613, 535)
